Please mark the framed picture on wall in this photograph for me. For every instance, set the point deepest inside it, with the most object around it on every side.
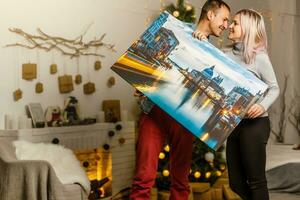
(111, 110)
(36, 113)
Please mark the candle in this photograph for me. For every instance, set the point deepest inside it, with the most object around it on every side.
(14, 123)
(22, 122)
(7, 121)
(2, 121)
(28, 123)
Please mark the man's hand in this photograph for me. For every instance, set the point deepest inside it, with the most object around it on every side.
(256, 110)
(139, 95)
(199, 35)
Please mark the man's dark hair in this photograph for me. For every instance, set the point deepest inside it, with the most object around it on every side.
(212, 5)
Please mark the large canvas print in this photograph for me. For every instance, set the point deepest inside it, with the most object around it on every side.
(191, 80)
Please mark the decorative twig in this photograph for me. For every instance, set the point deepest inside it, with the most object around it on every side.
(294, 111)
(68, 47)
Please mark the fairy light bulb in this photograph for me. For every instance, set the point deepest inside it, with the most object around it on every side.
(161, 155)
(166, 173)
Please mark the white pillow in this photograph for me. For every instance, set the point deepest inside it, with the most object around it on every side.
(63, 161)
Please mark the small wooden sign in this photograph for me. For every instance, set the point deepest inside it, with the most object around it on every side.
(29, 71)
(65, 84)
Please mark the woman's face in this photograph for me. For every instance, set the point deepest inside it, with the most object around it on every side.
(235, 29)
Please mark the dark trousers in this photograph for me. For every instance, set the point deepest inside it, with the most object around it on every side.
(246, 158)
(154, 129)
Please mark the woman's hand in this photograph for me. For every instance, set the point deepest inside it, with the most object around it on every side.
(256, 110)
(199, 35)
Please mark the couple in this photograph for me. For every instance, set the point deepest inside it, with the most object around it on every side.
(246, 146)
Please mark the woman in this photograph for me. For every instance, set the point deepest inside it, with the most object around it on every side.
(246, 146)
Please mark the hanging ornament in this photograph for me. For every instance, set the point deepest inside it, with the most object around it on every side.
(17, 94)
(89, 88)
(188, 7)
(97, 65)
(65, 84)
(53, 69)
(167, 148)
(166, 173)
(222, 167)
(29, 71)
(209, 157)
(197, 174)
(39, 88)
(161, 155)
(176, 13)
(207, 175)
(218, 173)
(78, 79)
(111, 81)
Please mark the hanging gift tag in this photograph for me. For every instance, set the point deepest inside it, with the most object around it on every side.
(39, 88)
(97, 65)
(65, 83)
(53, 69)
(17, 94)
(111, 81)
(78, 79)
(29, 71)
(89, 88)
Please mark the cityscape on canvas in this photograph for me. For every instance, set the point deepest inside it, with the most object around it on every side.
(191, 80)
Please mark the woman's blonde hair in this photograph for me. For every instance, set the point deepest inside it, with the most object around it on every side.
(253, 33)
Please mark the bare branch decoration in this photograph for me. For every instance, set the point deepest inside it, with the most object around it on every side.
(294, 111)
(279, 134)
(73, 48)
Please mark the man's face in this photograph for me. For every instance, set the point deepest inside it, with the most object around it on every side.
(219, 21)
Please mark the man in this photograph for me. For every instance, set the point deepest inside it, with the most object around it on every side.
(155, 125)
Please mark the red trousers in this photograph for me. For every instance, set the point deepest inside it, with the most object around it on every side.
(154, 128)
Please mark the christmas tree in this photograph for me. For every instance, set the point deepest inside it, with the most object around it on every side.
(182, 11)
(207, 165)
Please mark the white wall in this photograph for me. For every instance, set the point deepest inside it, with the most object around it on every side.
(122, 20)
